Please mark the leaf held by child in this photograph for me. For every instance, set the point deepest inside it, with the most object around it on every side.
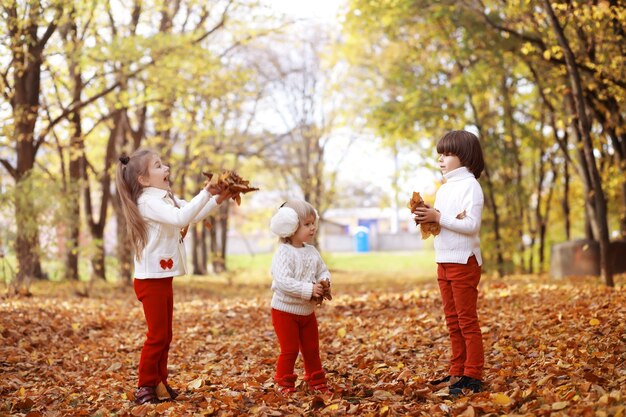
(228, 180)
(327, 295)
(428, 228)
(231, 181)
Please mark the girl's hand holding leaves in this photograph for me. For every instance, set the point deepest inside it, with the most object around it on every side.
(229, 181)
(226, 185)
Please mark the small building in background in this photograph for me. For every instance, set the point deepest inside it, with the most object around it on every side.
(343, 230)
(379, 224)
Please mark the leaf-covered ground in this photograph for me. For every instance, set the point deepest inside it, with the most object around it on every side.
(553, 348)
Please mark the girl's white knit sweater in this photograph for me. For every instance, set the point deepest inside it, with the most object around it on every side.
(460, 203)
(294, 271)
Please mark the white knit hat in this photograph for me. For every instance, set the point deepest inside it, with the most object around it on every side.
(285, 222)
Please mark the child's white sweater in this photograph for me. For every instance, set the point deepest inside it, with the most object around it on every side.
(294, 271)
(460, 203)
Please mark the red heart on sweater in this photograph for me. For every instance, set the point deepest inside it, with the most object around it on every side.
(167, 263)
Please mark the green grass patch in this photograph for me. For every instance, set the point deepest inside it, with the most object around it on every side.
(420, 263)
(350, 271)
(249, 275)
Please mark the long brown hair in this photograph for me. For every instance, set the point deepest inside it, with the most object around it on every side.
(127, 176)
(466, 146)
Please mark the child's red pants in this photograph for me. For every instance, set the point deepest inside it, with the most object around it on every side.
(297, 334)
(458, 284)
(157, 299)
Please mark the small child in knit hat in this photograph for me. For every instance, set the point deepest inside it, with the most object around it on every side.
(300, 279)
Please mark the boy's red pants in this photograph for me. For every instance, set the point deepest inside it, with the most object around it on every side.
(297, 334)
(458, 284)
(157, 299)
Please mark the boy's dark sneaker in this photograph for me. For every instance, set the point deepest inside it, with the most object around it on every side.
(465, 384)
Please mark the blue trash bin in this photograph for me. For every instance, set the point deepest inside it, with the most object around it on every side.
(361, 240)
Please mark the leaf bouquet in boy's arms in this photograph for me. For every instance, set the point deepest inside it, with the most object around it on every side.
(427, 228)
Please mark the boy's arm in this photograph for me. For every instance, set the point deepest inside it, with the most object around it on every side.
(468, 221)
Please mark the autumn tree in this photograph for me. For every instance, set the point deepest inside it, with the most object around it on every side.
(26, 30)
(303, 100)
(496, 68)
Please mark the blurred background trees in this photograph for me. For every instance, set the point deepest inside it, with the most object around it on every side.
(542, 83)
(231, 84)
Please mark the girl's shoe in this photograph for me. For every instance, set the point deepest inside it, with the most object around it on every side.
(320, 388)
(317, 382)
(287, 390)
(465, 384)
(286, 383)
(145, 395)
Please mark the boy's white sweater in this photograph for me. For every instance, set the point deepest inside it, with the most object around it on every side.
(460, 202)
(294, 271)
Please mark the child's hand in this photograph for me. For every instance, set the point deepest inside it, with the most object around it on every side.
(224, 195)
(426, 215)
(213, 189)
(326, 284)
(318, 291)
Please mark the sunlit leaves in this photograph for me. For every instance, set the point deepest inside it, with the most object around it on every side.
(550, 347)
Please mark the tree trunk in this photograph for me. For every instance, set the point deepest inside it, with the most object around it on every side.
(539, 223)
(216, 266)
(76, 174)
(618, 141)
(26, 61)
(224, 232)
(73, 215)
(198, 253)
(519, 199)
(218, 238)
(204, 249)
(491, 198)
(565, 201)
(98, 267)
(597, 200)
(124, 249)
(195, 267)
(97, 227)
(496, 223)
(25, 240)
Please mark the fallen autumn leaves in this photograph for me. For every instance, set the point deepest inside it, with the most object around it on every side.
(552, 348)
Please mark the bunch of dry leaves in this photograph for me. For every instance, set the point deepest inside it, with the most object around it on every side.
(427, 228)
(231, 181)
(552, 349)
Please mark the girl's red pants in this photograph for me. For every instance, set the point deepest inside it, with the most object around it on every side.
(157, 299)
(458, 284)
(296, 334)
